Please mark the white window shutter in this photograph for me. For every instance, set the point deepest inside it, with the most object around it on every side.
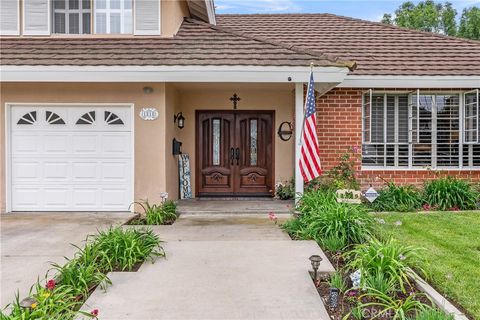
(36, 17)
(147, 17)
(9, 17)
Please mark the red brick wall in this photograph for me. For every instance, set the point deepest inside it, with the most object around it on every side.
(339, 127)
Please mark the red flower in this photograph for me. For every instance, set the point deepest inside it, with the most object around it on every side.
(50, 284)
(94, 312)
(454, 209)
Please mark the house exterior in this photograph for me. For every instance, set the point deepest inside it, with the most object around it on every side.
(93, 93)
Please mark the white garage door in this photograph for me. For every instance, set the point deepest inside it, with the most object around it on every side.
(70, 158)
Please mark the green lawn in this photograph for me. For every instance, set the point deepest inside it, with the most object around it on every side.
(452, 243)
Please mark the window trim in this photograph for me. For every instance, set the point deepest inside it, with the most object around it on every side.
(410, 167)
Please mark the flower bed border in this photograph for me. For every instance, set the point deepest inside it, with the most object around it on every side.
(439, 300)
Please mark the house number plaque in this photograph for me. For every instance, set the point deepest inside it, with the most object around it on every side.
(149, 114)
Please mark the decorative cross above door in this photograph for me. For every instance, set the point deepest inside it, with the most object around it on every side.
(235, 98)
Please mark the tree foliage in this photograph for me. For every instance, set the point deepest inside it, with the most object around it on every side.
(436, 17)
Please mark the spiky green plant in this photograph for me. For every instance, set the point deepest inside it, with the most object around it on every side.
(156, 214)
(432, 314)
(336, 281)
(398, 198)
(322, 217)
(395, 309)
(390, 258)
(122, 248)
(449, 193)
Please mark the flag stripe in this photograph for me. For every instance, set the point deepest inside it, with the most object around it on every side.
(309, 163)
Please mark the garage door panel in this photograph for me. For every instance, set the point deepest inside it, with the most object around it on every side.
(86, 143)
(116, 144)
(85, 171)
(25, 143)
(26, 171)
(85, 197)
(56, 143)
(25, 198)
(56, 171)
(57, 197)
(114, 198)
(70, 158)
(115, 171)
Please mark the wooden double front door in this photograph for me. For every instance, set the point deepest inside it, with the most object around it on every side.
(234, 153)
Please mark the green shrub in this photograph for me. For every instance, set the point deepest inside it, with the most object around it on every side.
(57, 304)
(336, 281)
(380, 283)
(398, 198)
(449, 193)
(390, 258)
(285, 191)
(432, 314)
(122, 249)
(397, 309)
(343, 175)
(156, 214)
(333, 243)
(81, 278)
(322, 217)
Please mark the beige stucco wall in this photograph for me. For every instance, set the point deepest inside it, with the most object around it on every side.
(150, 146)
(155, 167)
(280, 98)
(173, 12)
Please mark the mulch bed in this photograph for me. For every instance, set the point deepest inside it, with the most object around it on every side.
(347, 302)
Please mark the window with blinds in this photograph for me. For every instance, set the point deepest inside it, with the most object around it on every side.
(71, 16)
(420, 130)
(388, 123)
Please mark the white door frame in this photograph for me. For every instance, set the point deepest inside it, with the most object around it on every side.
(8, 144)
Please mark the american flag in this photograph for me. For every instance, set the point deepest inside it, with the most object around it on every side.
(310, 159)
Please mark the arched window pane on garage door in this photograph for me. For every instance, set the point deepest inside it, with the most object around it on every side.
(53, 118)
(28, 118)
(112, 118)
(87, 118)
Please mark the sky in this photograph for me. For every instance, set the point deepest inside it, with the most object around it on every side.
(369, 10)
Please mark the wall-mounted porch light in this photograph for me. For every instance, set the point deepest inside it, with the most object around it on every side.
(179, 119)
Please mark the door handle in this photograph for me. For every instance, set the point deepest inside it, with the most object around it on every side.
(232, 155)
(237, 155)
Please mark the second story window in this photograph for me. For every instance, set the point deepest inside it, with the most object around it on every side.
(113, 16)
(71, 16)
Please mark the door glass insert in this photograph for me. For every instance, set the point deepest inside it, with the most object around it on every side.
(253, 142)
(216, 142)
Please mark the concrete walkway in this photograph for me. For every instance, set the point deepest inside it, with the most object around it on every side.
(218, 267)
(30, 241)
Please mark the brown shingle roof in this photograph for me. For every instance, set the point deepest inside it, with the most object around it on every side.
(196, 43)
(379, 49)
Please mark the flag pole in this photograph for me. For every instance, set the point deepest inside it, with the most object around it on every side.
(305, 104)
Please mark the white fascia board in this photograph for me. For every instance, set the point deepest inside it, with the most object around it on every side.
(215, 74)
(210, 11)
(352, 81)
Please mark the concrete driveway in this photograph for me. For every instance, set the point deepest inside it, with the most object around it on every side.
(29, 241)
